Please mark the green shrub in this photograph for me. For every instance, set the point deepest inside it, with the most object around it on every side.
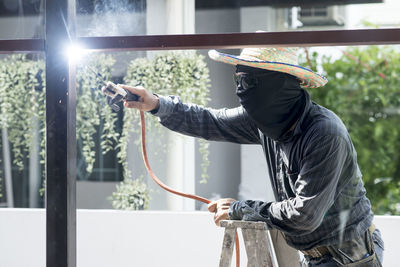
(130, 195)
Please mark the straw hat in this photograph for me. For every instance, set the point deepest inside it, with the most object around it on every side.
(283, 59)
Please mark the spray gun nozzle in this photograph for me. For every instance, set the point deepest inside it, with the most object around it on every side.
(114, 92)
(98, 75)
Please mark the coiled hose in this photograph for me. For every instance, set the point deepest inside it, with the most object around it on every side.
(169, 189)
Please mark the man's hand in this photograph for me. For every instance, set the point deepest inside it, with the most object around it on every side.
(220, 208)
(147, 101)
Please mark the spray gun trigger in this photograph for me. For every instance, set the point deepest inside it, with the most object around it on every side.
(112, 103)
(116, 99)
(115, 107)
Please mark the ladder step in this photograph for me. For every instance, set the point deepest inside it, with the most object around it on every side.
(243, 224)
(258, 247)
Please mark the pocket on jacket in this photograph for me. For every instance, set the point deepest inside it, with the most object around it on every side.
(377, 239)
(367, 262)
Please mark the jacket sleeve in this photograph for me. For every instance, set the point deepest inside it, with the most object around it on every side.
(231, 125)
(324, 162)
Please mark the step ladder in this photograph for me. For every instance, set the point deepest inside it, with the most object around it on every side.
(257, 241)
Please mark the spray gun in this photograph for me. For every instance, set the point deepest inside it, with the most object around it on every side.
(113, 92)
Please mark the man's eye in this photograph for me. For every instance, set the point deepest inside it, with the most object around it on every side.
(249, 82)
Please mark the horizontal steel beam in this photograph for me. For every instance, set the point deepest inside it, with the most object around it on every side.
(21, 46)
(220, 41)
(242, 40)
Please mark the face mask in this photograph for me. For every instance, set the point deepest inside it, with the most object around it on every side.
(273, 100)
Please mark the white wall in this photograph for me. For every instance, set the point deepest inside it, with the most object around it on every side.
(389, 227)
(142, 238)
(384, 14)
(262, 18)
(116, 238)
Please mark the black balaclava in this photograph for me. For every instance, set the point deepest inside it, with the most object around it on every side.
(274, 100)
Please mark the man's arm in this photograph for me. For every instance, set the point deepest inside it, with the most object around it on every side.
(324, 162)
(230, 125)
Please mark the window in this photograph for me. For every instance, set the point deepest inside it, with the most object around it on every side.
(61, 215)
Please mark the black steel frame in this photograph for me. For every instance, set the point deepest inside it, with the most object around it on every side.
(219, 41)
(61, 98)
(61, 136)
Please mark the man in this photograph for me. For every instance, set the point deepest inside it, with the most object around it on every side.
(321, 205)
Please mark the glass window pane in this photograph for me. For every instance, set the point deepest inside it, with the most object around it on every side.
(111, 18)
(152, 70)
(361, 90)
(152, 17)
(21, 19)
(22, 101)
(22, 123)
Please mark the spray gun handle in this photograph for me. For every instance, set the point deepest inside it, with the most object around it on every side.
(125, 94)
(131, 97)
(117, 93)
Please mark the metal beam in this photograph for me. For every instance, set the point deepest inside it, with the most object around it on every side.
(61, 138)
(219, 41)
(21, 46)
(242, 40)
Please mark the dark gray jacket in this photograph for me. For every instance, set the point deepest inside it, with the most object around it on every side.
(320, 196)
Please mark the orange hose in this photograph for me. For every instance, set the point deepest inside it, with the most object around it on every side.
(169, 189)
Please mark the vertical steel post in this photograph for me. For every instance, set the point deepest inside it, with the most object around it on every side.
(61, 139)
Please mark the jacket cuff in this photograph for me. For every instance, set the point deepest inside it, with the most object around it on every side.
(235, 211)
(165, 108)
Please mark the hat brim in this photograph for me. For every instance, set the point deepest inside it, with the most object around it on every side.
(308, 78)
